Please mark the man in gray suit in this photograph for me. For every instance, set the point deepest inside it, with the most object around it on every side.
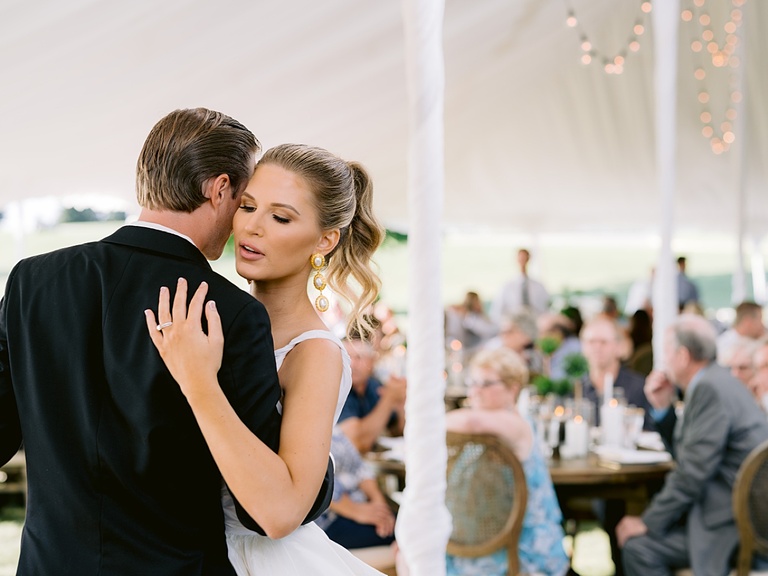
(689, 523)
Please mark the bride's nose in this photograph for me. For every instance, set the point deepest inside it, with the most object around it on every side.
(253, 226)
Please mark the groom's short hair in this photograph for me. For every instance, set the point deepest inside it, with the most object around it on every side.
(184, 150)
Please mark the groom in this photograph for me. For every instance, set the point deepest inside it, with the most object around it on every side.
(120, 478)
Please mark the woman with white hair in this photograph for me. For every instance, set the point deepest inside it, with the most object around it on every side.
(496, 378)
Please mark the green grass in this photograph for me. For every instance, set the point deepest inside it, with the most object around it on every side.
(570, 266)
(11, 522)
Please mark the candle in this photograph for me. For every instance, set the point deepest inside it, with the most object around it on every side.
(577, 437)
(608, 388)
(612, 423)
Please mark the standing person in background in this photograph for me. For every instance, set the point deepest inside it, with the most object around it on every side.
(687, 291)
(521, 293)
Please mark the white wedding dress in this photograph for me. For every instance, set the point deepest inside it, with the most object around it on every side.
(307, 550)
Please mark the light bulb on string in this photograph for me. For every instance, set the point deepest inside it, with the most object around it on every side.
(611, 63)
(720, 54)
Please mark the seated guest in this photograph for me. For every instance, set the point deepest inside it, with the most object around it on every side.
(518, 333)
(469, 324)
(372, 407)
(560, 329)
(747, 324)
(640, 331)
(601, 344)
(758, 385)
(739, 358)
(689, 523)
(359, 515)
(496, 378)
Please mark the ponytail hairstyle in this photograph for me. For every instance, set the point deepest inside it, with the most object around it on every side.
(343, 198)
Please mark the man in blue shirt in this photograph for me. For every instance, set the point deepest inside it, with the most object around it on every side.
(372, 407)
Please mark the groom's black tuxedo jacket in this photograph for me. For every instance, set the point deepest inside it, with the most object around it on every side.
(120, 478)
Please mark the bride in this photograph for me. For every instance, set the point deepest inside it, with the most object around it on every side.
(305, 212)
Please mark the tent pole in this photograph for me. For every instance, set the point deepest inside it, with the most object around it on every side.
(665, 25)
(423, 523)
(739, 285)
(758, 272)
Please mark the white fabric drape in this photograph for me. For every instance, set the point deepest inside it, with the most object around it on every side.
(738, 148)
(758, 272)
(665, 26)
(424, 524)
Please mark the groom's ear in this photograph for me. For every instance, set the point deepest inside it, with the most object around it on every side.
(217, 189)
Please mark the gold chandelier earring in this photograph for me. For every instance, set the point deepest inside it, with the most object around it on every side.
(318, 263)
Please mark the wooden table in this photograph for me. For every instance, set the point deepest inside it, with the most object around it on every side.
(592, 478)
(579, 478)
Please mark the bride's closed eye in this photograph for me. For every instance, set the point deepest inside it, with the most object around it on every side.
(281, 219)
(247, 208)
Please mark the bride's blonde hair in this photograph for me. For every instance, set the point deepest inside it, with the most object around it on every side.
(343, 198)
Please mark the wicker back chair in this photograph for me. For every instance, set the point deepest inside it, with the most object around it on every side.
(750, 507)
(486, 495)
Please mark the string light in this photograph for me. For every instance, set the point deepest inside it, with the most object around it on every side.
(611, 64)
(720, 55)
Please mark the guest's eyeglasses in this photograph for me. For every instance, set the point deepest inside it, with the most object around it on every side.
(472, 383)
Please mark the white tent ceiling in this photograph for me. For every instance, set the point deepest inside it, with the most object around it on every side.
(534, 140)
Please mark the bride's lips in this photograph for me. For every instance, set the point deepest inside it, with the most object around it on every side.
(250, 253)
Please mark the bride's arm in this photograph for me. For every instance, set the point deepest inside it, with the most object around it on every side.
(277, 490)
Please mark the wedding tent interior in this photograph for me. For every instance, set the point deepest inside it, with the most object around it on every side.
(551, 122)
(535, 140)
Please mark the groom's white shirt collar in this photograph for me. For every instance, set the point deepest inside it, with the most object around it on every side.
(162, 228)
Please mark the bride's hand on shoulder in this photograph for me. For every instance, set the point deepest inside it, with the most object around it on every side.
(193, 357)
